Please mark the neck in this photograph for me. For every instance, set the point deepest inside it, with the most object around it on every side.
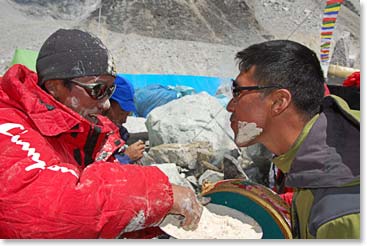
(283, 132)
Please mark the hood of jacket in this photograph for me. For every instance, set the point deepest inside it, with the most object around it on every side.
(330, 154)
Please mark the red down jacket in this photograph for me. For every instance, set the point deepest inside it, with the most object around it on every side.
(57, 175)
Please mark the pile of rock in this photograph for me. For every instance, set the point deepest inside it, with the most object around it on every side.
(190, 139)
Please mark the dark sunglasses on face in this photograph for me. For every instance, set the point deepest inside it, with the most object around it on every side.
(236, 90)
(97, 90)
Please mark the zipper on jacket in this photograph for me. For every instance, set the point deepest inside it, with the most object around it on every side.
(90, 144)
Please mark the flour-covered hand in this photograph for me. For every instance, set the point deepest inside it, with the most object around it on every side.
(186, 204)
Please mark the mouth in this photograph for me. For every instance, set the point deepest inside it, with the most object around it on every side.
(233, 122)
(232, 118)
(234, 127)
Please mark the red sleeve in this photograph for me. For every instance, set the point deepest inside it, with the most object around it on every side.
(43, 197)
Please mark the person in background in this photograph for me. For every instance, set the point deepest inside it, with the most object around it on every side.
(122, 104)
(59, 178)
(278, 100)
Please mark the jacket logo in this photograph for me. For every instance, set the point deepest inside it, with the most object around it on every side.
(35, 156)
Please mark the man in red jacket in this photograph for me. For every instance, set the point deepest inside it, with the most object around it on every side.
(58, 176)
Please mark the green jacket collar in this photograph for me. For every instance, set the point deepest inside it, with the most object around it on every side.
(327, 152)
(284, 162)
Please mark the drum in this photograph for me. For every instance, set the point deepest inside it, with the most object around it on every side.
(255, 200)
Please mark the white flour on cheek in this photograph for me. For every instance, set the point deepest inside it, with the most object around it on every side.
(74, 102)
(106, 105)
(247, 132)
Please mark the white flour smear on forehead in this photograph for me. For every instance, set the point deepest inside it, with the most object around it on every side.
(247, 132)
(214, 226)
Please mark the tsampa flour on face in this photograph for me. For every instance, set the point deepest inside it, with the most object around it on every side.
(247, 132)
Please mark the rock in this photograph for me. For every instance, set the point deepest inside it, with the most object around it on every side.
(146, 160)
(256, 162)
(135, 124)
(258, 153)
(193, 180)
(198, 117)
(255, 174)
(137, 129)
(342, 54)
(210, 176)
(184, 155)
(208, 165)
(232, 168)
(174, 177)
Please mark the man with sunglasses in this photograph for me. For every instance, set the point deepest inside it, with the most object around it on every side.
(278, 100)
(58, 176)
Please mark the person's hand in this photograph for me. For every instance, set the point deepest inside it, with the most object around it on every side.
(204, 200)
(135, 150)
(186, 204)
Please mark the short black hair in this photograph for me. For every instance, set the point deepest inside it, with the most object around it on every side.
(290, 65)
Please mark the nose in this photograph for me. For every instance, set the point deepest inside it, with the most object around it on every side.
(230, 105)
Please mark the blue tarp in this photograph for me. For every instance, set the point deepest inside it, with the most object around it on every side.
(152, 96)
(199, 83)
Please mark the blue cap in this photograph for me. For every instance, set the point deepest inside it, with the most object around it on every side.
(124, 94)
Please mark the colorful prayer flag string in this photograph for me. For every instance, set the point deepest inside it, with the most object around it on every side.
(331, 11)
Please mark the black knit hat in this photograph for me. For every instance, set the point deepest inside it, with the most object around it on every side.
(71, 53)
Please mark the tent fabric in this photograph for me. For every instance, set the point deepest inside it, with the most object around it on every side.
(25, 57)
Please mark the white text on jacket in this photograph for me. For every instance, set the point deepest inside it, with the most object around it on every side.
(35, 156)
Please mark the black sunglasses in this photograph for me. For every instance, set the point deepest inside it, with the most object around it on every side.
(236, 90)
(97, 90)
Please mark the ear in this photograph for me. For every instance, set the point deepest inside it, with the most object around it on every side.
(281, 99)
(54, 87)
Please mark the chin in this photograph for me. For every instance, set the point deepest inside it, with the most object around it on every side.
(241, 145)
(245, 144)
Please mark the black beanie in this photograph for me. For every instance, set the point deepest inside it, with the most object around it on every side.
(71, 53)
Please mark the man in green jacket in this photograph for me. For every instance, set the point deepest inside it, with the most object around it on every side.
(278, 100)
